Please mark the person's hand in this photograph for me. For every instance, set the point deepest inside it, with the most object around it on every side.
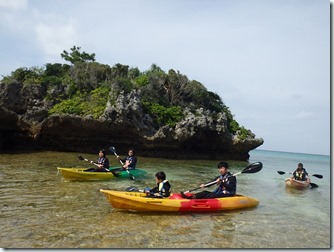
(202, 185)
(117, 157)
(91, 162)
(222, 181)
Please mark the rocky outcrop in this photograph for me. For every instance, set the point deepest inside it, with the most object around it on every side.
(25, 123)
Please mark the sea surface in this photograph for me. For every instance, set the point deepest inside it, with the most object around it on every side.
(39, 209)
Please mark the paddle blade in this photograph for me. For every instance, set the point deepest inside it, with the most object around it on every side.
(313, 185)
(317, 175)
(112, 149)
(132, 177)
(281, 172)
(252, 168)
(132, 189)
(116, 174)
(80, 157)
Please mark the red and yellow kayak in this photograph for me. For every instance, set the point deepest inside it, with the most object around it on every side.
(297, 184)
(137, 201)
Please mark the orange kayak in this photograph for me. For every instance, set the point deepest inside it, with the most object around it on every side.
(297, 184)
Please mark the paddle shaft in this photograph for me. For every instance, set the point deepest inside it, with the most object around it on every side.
(206, 185)
(118, 158)
(130, 174)
(252, 168)
(212, 183)
(92, 162)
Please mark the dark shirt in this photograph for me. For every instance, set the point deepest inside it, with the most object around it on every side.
(132, 161)
(104, 161)
(227, 186)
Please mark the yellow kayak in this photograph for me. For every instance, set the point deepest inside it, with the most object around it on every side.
(137, 201)
(80, 174)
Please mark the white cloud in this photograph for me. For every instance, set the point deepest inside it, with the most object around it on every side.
(304, 115)
(268, 60)
(14, 4)
(54, 37)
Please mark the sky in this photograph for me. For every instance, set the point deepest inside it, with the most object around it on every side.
(269, 61)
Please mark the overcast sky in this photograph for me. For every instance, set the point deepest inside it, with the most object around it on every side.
(269, 61)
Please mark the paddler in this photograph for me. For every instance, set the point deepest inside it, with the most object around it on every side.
(226, 185)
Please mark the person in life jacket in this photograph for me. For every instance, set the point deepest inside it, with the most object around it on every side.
(226, 185)
(300, 173)
(163, 188)
(102, 162)
(130, 161)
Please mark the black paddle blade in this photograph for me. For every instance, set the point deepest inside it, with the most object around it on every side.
(80, 157)
(112, 149)
(116, 174)
(252, 168)
(313, 185)
(317, 175)
(281, 172)
(132, 189)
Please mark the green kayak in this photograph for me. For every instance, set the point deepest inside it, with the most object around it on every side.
(80, 174)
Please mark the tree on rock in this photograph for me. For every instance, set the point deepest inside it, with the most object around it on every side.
(77, 56)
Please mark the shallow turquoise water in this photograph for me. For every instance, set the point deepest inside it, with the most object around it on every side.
(39, 209)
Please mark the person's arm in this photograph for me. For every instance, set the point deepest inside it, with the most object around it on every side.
(163, 193)
(165, 190)
(97, 163)
(214, 180)
(106, 163)
(154, 190)
(294, 174)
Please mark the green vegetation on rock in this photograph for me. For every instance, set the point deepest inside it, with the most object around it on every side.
(84, 87)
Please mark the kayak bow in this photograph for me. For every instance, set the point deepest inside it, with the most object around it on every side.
(290, 182)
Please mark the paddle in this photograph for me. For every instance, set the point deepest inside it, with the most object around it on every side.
(252, 168)
(133, 189)
(112, 149)
(315, 175)
(136, 189)
(313, 185)
(92, 162)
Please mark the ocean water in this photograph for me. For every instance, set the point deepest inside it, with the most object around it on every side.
(39, 209)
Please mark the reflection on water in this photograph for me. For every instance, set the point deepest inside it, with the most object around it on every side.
(39, 209)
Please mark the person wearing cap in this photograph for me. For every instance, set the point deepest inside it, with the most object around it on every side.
(102, 162)
(226, 185)
(300, 173)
